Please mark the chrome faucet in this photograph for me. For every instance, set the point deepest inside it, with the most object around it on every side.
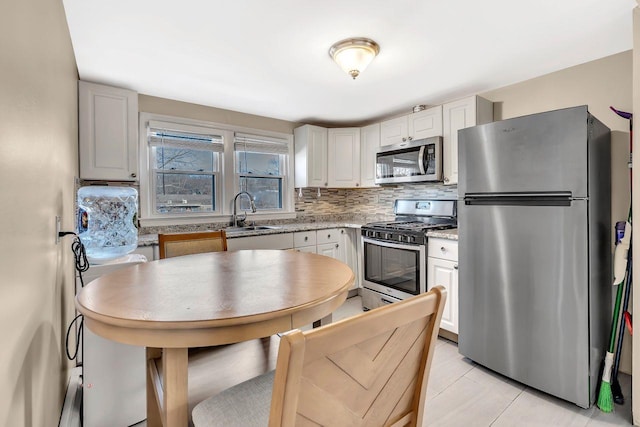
(251, 202)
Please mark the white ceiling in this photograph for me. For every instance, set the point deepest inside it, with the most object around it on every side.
(270, 57)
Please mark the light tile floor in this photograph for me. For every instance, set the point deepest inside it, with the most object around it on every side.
(465, 394)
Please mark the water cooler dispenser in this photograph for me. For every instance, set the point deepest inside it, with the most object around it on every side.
(113, 374)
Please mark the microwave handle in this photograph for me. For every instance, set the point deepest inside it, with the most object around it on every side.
(421, 160)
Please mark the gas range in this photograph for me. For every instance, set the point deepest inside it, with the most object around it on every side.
(395, 252)
(414, 218)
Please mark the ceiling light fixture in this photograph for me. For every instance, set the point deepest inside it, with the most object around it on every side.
(353, 55)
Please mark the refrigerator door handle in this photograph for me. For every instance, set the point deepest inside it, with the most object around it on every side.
(519, 199)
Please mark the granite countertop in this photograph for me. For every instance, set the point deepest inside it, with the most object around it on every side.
(451, 234)
(152, 239)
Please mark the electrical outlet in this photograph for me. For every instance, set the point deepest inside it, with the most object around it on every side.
(58, 228)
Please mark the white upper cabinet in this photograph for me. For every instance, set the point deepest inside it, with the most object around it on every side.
(394, 131)
(108, 127)
(369, 145)
(457, 115)
(423, 124)
(344, 157)
(311, 156)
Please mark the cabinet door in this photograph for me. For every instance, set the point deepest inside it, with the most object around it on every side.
(393, 131)
(108, 128)
(311, 156)
(344, 157)
(348, 252)
(329, 249)
(369, 145)
(441, 272)
(426, 123)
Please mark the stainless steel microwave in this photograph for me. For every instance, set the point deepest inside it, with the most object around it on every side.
(411, 161)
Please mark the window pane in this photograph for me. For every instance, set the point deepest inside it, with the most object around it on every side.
(258, 163)
(184, 159)
(267, 192)
(177, 193)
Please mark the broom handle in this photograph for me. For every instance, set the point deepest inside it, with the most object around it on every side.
(625, 306)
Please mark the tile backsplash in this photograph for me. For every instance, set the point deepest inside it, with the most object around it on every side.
(365, 202)
(340, 204)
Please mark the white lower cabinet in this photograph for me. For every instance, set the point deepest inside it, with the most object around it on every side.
(329, 243)
(442, 270)
(305, 241)
(269, 241)
(338, 243)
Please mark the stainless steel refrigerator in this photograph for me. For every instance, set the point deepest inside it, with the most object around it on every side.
(535, 239)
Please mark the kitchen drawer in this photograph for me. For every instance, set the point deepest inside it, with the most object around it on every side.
(330, 235)
(443, 248)
(307, 249)
(304, 238)
(269, 241)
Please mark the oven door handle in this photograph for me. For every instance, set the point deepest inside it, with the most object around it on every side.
(421, 161)
(415, 248)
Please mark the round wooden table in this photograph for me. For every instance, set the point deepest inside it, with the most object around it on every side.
(204, 300)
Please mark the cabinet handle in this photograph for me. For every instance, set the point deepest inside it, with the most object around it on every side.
(341, 231)
(337, 245)
(133, 175)
(404, 139)
(357, 184)
(410, 138)
(328, 236)
(446, 179)
(443, 249)
(326, 184)
(455, 267)
(306, 238)
(386, 301)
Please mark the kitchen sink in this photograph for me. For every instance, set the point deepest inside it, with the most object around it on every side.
(251, 228)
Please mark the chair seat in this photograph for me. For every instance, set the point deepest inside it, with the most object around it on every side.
(244, 405)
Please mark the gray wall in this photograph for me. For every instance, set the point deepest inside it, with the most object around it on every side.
(38, 163)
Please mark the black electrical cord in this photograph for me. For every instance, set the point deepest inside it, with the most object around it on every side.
(75, 353)
(82, 265)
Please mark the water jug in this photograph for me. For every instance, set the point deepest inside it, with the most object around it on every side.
(106, 221)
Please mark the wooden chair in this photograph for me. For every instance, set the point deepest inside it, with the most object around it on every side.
(178, 244)
(370, 369)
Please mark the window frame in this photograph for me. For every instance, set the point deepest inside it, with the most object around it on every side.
(284, 166)
(228, 183)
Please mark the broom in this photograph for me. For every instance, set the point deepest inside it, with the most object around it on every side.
(621, 266)
(616, 390)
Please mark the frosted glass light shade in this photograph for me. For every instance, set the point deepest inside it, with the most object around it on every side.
(354, 55)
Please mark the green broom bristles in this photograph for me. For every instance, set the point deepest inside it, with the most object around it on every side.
(605, 398)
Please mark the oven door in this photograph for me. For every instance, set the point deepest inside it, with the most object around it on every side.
(398, 270)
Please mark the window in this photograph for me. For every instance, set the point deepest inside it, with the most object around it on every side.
(190, 171)
(261, 169)
(184, 169)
